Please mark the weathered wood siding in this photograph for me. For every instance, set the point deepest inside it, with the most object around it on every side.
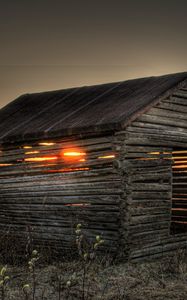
(147, 165)
(50, 197)
(123, 189)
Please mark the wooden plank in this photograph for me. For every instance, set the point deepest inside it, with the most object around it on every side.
(176, 100)
(173, 107)
(150, 177)
(74, 175)
(135, 229)
(162, 121)
(95, 199)
(173, 129)
(141, 203)
(156, 141)
(62, 186)
(180, 94)
(151, 195)
(150, 187)
(155, 132)
(61, 180)
(143, 149)
(108, 191)
(158, 136)
(157, 111)
(150, 218)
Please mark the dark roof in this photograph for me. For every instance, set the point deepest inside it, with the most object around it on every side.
(81, 110)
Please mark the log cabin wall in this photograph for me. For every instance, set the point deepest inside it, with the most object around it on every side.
(120, 182)
(45, 193)
(151, 177)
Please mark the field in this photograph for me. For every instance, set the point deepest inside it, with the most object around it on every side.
(93, 276)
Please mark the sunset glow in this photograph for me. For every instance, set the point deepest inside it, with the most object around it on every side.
(64, 170)
(180, 167)
(36, 159)
(46, 144)
(74, 154)
(106, 156)
(32, 152)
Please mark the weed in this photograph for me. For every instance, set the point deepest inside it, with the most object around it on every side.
(4, 279)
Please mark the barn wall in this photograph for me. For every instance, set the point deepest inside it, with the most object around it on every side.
(147, 166)
(46, 198)
(122, 190)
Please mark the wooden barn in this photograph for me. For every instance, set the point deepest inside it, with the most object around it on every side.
(112, 157)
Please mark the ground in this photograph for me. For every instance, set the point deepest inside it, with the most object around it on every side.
(164, 278)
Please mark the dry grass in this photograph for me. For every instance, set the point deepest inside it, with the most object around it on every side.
(161, 279)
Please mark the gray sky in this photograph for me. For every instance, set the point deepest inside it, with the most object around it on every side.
(50, 44)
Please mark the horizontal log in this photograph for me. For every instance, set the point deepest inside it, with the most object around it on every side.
(141, 211)
(152, 203)
(65, 234)
(150, 187)
(179, 205)
(109, 171)
(146, 156)
(8, 224)
(179, 184)
(145, 149)
(137, 195)
(135, 229)
(95, 181)
(156, 141)
(158, 111)
(60, 187)
(41, 219)
(179, 177)
(156, 135)
(67, 192)
(146, 236)
(179, 195)
(150, 177)
(146, 169)
(96, 199)
(148, 163)
(173, 107)
(163, 121)
(180, 94)
(150, 218)
(57, 208)
(183, 199)
(176, 100)
(160, 248)
(174, 130)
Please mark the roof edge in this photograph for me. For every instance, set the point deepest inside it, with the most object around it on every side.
(97, 129)
(156, 101)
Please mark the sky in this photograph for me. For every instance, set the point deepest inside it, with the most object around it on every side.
(54, 44)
